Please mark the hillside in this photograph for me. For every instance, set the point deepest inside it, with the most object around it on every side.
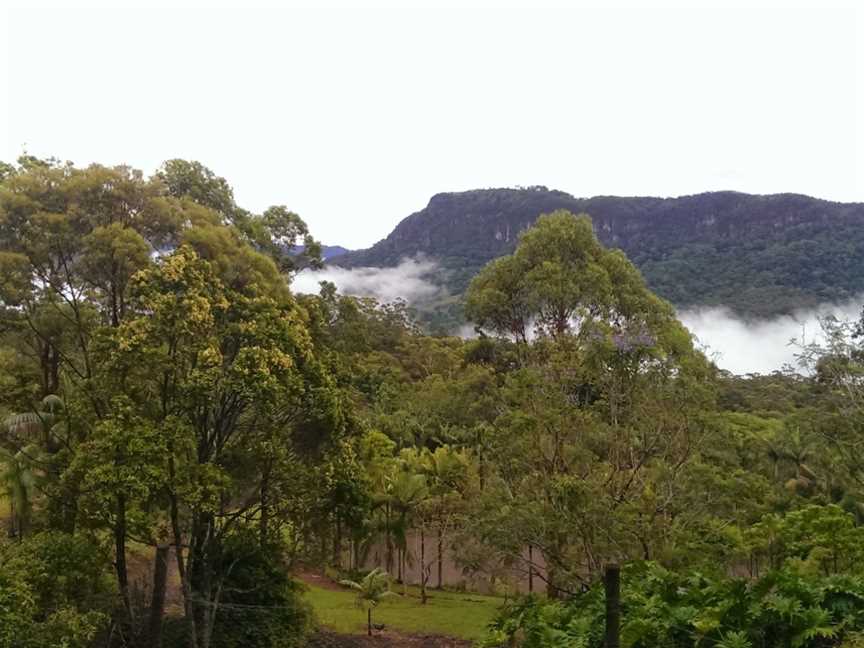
(760, 256)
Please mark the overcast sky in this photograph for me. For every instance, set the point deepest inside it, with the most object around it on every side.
(354, 117)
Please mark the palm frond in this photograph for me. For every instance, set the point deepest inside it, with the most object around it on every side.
(52, 403)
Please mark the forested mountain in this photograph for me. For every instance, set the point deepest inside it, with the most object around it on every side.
(327, 251)
(760, 256)
(332, 251)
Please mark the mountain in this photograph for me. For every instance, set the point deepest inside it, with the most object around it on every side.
(332, 251)
(327, 251)
(760, 256)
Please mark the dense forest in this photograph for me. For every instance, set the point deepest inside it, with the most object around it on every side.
(182, 436)
(758, 256)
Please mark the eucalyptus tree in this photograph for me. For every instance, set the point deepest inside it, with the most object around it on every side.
(602, 421)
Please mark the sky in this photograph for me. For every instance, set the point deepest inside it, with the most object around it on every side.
(355, 115)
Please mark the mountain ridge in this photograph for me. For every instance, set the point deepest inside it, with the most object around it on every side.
(760, 255)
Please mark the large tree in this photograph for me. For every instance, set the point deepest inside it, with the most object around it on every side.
(601, 424)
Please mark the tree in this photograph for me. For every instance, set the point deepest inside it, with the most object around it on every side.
(371, 591)
(447, 473)
(218, 372)
(278, 232)
(54, 591)
(561, 279)
(17, 480)
(24, 457)
(121, 468)
(837, 366)
(600, 426)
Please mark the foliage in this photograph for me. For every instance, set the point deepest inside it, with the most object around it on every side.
(662, 608)
(53, 591)
(161, 385)
(371, 590)
(261, 605)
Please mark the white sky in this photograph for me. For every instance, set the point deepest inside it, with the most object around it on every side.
(354, 117)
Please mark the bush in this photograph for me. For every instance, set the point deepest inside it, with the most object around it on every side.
(661, 608)
(55, 590)
(261, 605)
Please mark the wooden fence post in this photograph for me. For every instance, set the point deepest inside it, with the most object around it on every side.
(612, 584)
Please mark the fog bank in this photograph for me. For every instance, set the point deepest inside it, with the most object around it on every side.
(734, 343)
(760, 346)
(409, 281)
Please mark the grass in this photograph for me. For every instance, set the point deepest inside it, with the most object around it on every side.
(455, 614)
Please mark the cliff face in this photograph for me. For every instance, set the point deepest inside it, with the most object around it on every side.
(757, 255)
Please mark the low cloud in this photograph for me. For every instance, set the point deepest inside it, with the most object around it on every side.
(760, 346)
(736, 344)
(409, 281)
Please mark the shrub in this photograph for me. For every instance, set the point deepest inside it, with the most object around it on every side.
(785, 609)
(55, 590)
(261, 605)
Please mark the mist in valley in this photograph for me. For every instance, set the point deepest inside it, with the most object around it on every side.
(761, 346)
(409, 281)
(736, 344)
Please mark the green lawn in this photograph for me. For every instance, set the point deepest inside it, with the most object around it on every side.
(454, 614)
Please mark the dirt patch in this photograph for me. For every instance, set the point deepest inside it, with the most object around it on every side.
(386, 639)
(319, 580)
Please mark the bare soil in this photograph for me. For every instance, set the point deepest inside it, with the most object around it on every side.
(385, 639)
(318, 580)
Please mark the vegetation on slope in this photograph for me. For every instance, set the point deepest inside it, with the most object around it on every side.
(759, 256)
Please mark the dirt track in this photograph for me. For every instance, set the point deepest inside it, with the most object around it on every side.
(387, 639)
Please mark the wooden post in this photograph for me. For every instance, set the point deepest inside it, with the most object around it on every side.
(612, 584)
(157, 604)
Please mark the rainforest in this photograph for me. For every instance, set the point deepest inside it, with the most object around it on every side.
(195, 454)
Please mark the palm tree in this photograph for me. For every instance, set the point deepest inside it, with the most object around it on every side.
(25, 438)
(45, 425)
(17, 482)
(373, 589)
(446, 473)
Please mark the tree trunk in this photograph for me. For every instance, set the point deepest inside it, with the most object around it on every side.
(530, 569)
(264, 518)
(403, 562)
(157, 603)
(423, 570)
(120, 556)
(552, 591)
(200, 577)
(440, 558)
(337, 543)
(188, 605)
(369, 621)
(389, 541)
(612, 585)
(481, 464)
(400, 560)
(13, 520)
